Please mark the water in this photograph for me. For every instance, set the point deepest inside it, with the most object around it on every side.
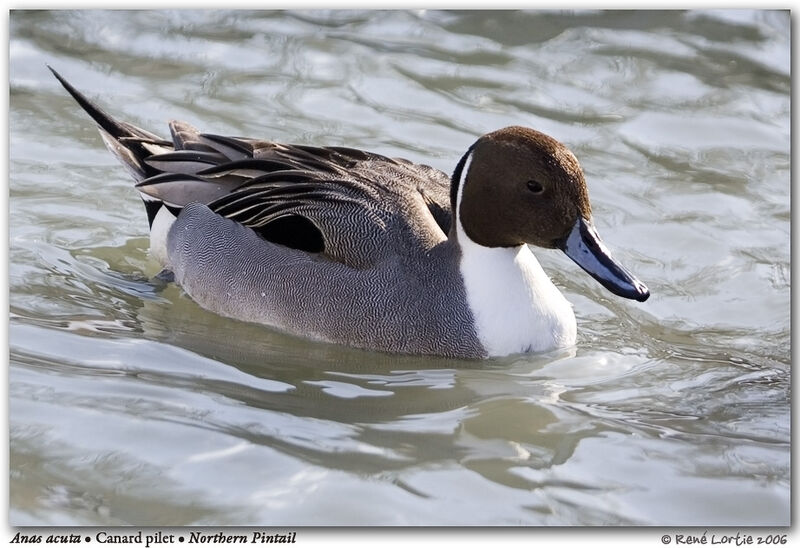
(129, 404)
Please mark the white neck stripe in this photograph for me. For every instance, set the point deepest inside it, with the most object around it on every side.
(460, 190)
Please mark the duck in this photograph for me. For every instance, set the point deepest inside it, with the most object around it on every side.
(355, 248)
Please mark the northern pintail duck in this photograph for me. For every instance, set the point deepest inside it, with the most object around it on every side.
(352, 247)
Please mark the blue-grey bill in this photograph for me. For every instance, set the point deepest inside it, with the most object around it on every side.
(585, 247)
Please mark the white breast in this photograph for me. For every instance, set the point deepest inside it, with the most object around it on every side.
(515, 305)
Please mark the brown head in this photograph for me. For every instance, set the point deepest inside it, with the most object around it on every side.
(523, 187)
(519, 186)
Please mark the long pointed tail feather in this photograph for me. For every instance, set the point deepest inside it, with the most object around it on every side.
(129, 143)
(105, 121)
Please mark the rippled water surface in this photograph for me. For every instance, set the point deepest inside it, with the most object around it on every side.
(129, 404)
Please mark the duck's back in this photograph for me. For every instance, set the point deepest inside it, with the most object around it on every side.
(353, 206)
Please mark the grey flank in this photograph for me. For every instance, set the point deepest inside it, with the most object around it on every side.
(399, 305)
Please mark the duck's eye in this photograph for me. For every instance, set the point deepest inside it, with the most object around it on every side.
(535, 187)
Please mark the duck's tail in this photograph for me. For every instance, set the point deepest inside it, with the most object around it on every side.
(130, 144)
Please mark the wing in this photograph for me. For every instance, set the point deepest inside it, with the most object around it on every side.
(351, 205)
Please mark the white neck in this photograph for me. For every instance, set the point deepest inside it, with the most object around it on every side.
(515, 305)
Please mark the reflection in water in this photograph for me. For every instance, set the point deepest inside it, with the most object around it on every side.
(129, 404)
